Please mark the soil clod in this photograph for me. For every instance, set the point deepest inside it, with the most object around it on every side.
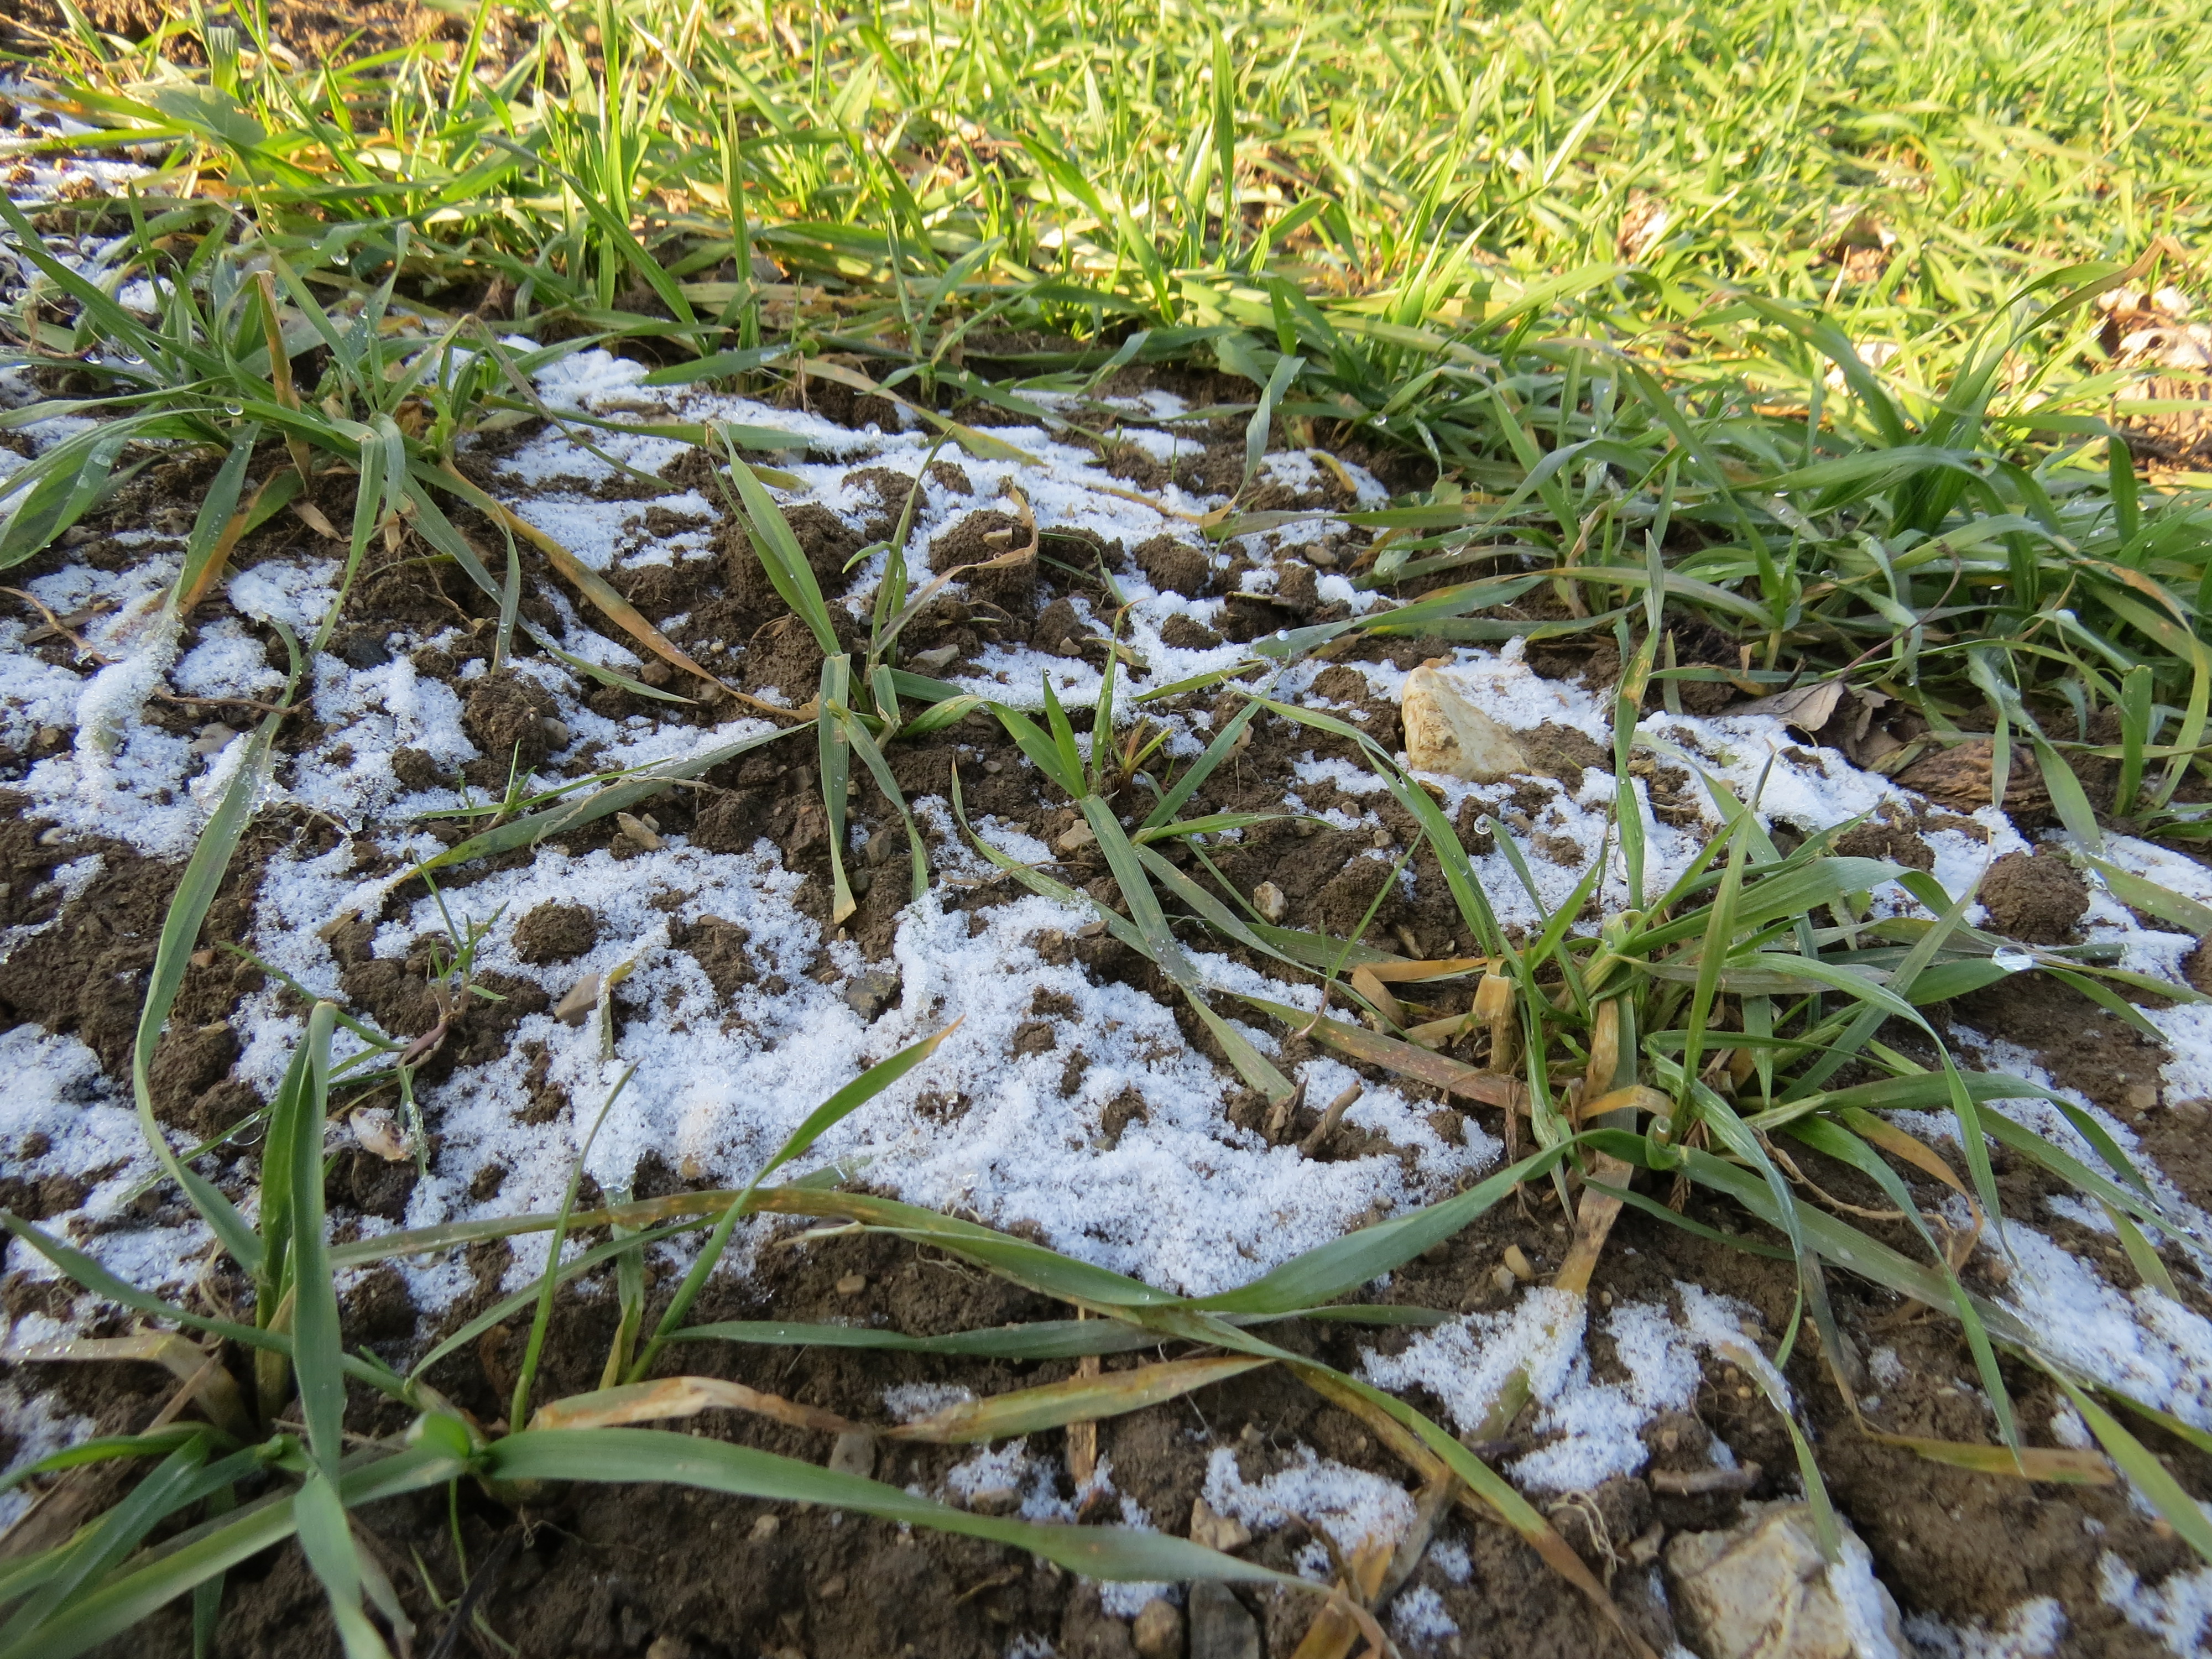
(2037, 898)
(556, 932)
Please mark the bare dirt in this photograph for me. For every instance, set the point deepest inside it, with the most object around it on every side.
(620, 1570)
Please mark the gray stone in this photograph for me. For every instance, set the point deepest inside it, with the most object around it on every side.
(1219, 1626)
(868, 994)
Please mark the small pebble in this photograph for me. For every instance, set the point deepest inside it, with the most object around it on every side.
(1217, 1532)
(1268, 899)
(854, 1452)
(1157, 1631)
(1220, 1628)
(636, 831)
(1517, 1263)
(557, 733)
(851, 1283)
(765, 1529)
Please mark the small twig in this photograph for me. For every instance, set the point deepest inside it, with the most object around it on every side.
(1689, 1483)
(1329, 1119)
(226, 702)
(55, 625)
(480, 1585)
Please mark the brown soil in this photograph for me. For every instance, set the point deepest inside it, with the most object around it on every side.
(667, 1572)
(554, 933)
(336, 31)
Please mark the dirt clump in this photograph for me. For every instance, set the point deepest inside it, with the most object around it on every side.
(1896, 843)
(1963, 777)
(554, 933)
(981, 539)
(504, 716)
(719, 948)
(1188, 633)
(2196, 966)
(826, 540)
(1174, 566)
(1563, 753)
(2037, 898)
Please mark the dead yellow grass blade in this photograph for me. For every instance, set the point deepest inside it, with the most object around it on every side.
(205, 1379)
(678, 1396)
(1364, 981)
(617, 609)
(1407, 1059)
(1392, 971)
(1540, 1535)
(2058, 1463)
(283, 485)
(1594, 1215)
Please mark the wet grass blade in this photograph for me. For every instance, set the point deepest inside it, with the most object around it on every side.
(781, 555)
(318, 1348)
(2149, 1476)
(205, 1551)
(196, 892)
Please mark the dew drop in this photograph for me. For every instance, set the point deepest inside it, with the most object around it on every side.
(2012, 958)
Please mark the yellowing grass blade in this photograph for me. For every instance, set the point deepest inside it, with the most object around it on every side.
(677, 1396)
(1079, 1400)
(1407, 1059)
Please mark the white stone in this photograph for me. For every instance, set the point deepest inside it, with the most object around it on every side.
(1446, 734)
(1761, 1591)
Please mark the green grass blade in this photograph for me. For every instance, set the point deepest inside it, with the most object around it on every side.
(317, 1346)
(781, 555)
(326, 1540)
(526, 1373)
(660, 1457)
(823, 1118)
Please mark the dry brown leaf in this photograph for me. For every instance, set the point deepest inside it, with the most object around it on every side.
(1807, 708)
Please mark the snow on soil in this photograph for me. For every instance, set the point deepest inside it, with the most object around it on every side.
(1182, 1198)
